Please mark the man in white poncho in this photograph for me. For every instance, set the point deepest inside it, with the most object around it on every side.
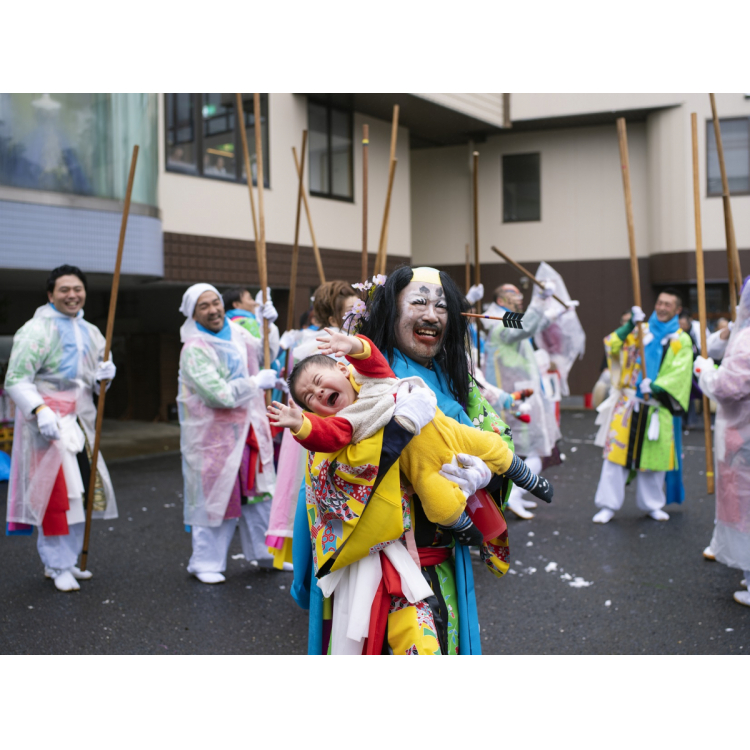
(55, 367)
(225, 438)
(729, 386)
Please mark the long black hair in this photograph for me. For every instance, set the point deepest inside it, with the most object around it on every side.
(380, 328)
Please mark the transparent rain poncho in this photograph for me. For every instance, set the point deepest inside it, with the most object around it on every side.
(729, 386)
(217, 402)
(53, 361)
(564, 339)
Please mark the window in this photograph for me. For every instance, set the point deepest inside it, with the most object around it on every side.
(203, 136)
(735, 137)
(521, 188)
(331, 151)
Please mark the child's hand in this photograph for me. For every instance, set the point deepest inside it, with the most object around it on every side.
(339, 344)
(285, 416)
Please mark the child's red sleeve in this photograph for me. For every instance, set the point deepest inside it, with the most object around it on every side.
(371, 363)
(324, 435)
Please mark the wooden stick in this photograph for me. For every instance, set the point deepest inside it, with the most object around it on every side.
(316, 251)
(733, 256)
(380, 262)
(365, 148)
(701, 284)
(107, 348)
(486, 317)
(477, 274)
(468, 268)
(625, 163)
(525, 272)
(295, 250)
(246, 152)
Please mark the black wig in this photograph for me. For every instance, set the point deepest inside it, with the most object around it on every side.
(380, 328)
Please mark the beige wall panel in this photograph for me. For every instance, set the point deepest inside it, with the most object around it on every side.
(582, 205)
(533, 106)
(486, 107)
(194, 205)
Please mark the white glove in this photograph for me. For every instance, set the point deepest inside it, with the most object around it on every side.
(702, 363)
(553, 314)
(267, 310)
(288, 339)
(731, 325)
(106, 370)
(549, 289)
(267, 380)
(573, 303)
(46, 420)
(473, 477)
(524, 408)
(475, 294)
(637, 313)
(646, 386)
(415, 407)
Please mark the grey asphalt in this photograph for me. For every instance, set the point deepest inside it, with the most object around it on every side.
(632, 586)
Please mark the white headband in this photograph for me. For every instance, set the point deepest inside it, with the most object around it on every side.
(190, 298)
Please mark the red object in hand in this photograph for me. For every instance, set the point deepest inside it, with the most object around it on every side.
(486, 515)
(525, 418)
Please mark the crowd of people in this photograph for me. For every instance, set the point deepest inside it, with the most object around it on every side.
(394, 440)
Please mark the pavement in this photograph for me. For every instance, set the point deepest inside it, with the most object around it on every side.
(632, 586)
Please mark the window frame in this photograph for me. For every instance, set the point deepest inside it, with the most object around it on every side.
(502, 185)
(350, 112)
(197, 126)
(709, 124)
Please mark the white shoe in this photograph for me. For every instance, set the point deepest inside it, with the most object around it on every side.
(210, 577)
(288, 567)
(515, 505)
(81, 575)
(528, 503)
(742, 597)
(64, 581)
(605, 515)
(743, 582)
(708, 553)
(659, 515)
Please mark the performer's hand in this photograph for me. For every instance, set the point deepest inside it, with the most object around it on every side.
(415, 408)
(646, 386)
(475, 294)
(573, 304)
(702, 363)
(267, 380)
(549, 289)
(637, 314)
(543, 490)
(289, 339)
(285, 416)
(46, 420)
(465, 532)
(339, 344)
(472, 476)
(266, 310)
(106, 370)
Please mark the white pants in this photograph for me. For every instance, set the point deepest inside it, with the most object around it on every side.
(534, 462)
(61, 552)
(211, 543)
(649, 493)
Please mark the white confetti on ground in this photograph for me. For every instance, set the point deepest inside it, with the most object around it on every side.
(579, 583)
(566, 577)
(573, 449)
(111, 528)
(282, 587)
(238, 557)
(529, 544)
(144, 508)
(608, 603)
(551, 567)
(729, 630)
(531, 533)
(106, 601)
(518, 562)
(511, 571)
(31, 606)
(556, 533)
(248, 587)
(530, 571)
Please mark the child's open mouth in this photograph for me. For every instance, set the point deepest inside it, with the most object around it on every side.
(333, 398)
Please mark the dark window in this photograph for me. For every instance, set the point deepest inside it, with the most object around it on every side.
(207, 125)
(521, 189)
(331, 151)
(735, 137)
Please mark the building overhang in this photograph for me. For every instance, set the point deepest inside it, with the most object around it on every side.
(587, 119)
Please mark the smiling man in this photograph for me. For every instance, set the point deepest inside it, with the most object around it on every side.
(225, 439)
(55, 367)
(637, 420)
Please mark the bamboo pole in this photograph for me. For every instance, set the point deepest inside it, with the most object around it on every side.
(525, 272)
(477, 273)
(246, 155)
(733, 256)
(625, 163)
(468, 268)
(107, 349)
(701, 279)
(295, 249)
(380, 262)
(316, 250)
(365, 149)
